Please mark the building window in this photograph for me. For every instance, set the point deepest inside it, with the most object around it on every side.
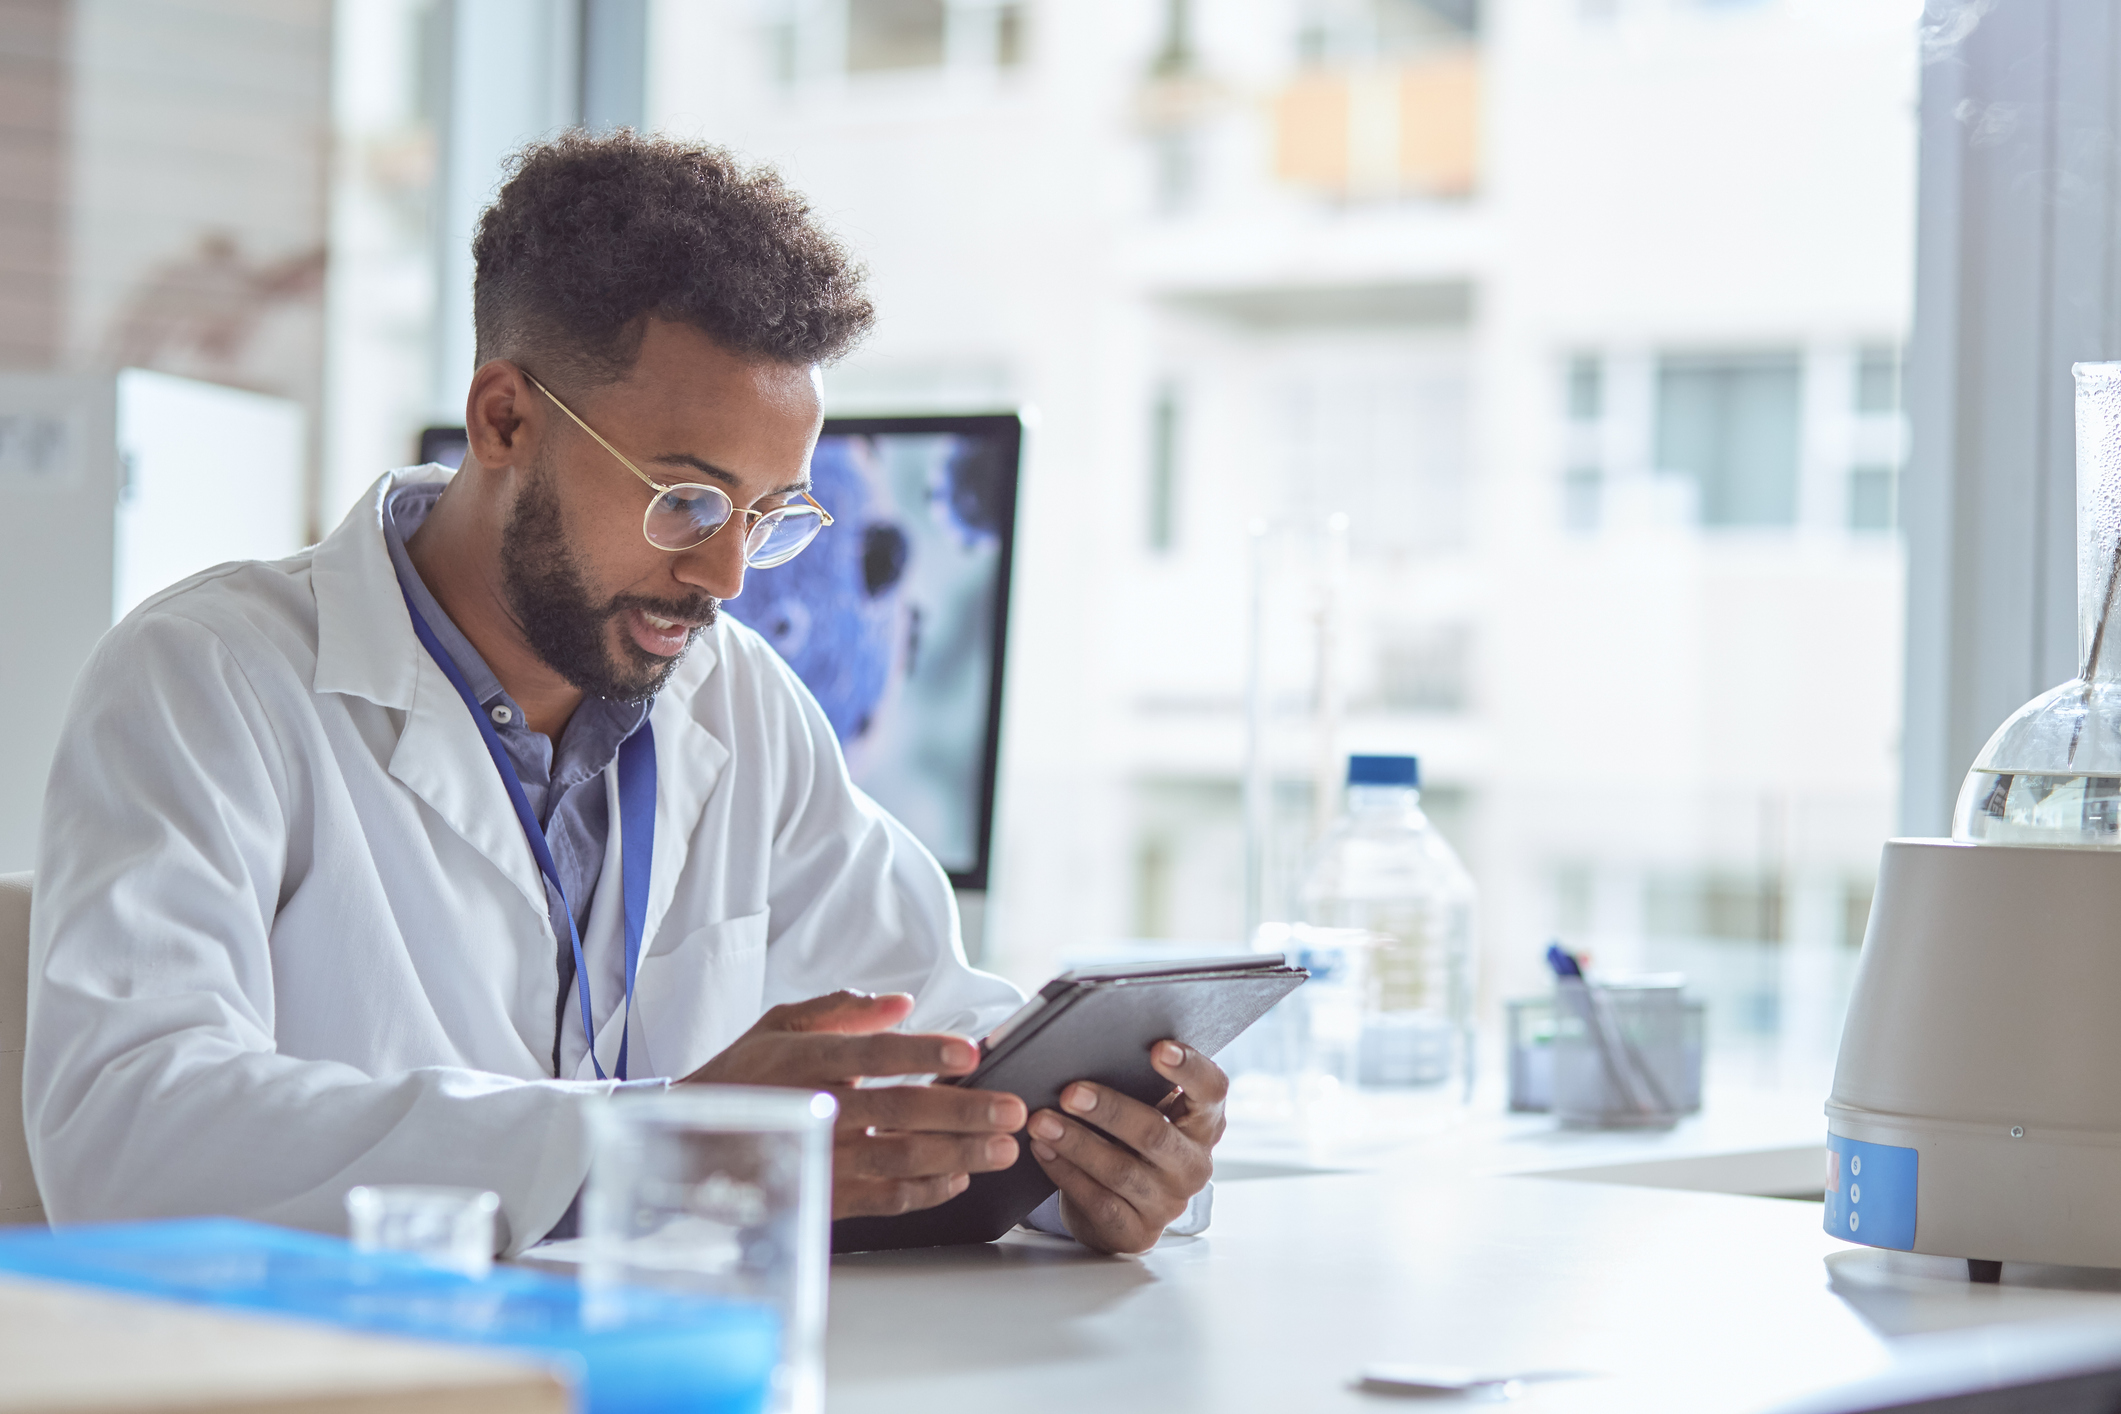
(1386, 104)
(1425, 670)
(895, 34)
(1730, 422)
(1878, 381)
(1586, 389)
(1871, 498)
(1582, 494)
(1163, 470)
(1009, 26)
(1738, 908)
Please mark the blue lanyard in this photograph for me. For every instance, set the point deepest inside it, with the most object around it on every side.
(636, 836)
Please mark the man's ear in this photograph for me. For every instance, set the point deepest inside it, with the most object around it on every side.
(500, 414)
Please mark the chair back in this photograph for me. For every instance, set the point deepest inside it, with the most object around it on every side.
(18, 1185)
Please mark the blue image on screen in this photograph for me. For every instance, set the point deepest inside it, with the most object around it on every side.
(889, 618)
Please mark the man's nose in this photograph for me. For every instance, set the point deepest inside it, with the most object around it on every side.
(716, 565)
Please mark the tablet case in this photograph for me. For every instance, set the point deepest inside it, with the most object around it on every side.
(1096, 1024)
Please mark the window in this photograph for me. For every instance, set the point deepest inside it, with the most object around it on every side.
(1381, 435)
(1174, 53)
(1586, 389)
(1730, 422)
(1878, 381)
(1582, 490)
(1163, 470)
(1573, 899)
(1340, 29)
(1425, 670)
(1725, 931)
(895, 34)
(1871, 498)
(1009, 26)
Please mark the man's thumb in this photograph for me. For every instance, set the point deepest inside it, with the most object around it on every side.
(853, 1013)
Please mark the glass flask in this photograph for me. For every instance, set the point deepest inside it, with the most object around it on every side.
(2051, 775)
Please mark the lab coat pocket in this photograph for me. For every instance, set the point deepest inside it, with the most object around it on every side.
(692, 999)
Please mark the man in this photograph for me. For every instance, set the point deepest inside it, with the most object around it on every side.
(386, 862)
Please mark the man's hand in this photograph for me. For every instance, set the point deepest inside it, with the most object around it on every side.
(896, 1147)
(1120, 1202)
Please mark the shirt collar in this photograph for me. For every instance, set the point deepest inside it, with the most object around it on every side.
(404, 512)
(599, 725)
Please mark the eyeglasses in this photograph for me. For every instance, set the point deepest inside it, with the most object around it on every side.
(689, 513)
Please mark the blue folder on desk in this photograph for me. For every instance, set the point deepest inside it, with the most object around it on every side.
(624, 1349)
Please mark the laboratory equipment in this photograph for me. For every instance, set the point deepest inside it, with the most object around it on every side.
(1973, 1111)
(720, 1192)
(113, 487)
(451, 1228)
(1384, 870)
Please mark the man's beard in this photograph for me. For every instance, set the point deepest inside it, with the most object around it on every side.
(564, 625)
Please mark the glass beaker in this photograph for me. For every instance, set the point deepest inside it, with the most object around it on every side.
(721, 1191)
(450, 1228)
(2051, 775)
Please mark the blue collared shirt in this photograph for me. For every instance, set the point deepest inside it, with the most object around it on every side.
(565, 788)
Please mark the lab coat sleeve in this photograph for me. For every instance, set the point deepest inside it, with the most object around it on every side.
(856, 901)
(152, 1086)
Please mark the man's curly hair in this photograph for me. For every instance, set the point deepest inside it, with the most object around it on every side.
(592, 235)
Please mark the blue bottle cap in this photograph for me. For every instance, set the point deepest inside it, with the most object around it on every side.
(1384, 771)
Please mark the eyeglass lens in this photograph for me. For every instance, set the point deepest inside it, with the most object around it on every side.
(780, 534)
(683, 516)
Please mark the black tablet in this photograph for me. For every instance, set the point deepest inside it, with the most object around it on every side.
(1096, 1023)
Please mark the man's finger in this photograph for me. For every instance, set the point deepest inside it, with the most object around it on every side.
(834, 1059)
(1141, 1127)
(1097, 1216)
(888, 1197)
(846, 1011)
(1190, 1071)
(938, 1108)
(922, 1155)
(1144, 1186)
(1196, 1106)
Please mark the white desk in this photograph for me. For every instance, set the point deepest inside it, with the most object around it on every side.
(1685, 1300)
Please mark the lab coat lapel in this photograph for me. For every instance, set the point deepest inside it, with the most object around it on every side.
(689, 761)
(442, 759)
(366, 648)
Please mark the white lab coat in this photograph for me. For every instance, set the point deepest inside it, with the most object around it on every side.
(288, 936)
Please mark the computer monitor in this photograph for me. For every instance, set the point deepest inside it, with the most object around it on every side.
(446, 445)
(896, 618)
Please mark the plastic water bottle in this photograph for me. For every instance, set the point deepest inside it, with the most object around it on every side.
(1382, 868)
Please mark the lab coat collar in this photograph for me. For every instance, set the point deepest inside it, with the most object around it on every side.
(365, 643)
(366, 648)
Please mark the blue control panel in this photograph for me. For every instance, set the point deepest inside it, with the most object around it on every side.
(1870, 1192)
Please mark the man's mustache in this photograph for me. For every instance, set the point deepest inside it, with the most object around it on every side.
(700, 609)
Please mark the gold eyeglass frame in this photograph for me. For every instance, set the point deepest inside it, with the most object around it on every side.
(753, 518)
